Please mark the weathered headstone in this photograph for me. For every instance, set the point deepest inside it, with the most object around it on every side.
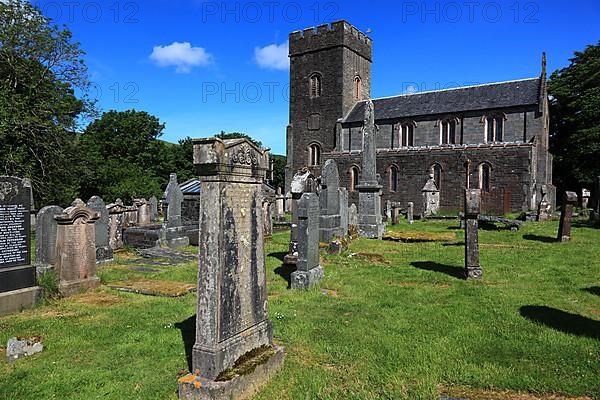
(232, 317)
(130, 217)
(353, 216)
(104, 252)
(410, 212)
(595, 202)
(116, 212)
(76, 248)
(17, 275)
(153, 201)
(280, 206)
(45, 238)
(431, 198)
(329, 200)
(144, 212)
(173, 200)
(343, 196)
(388, 211)
(308, 272)
(544, 211)
(268, 218)
(566, 215)
(472, 210)
(288, 202)
(302, 182)
(370, 223)
(395, 211)
(585, 198)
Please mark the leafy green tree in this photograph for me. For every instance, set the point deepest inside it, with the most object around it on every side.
(41, 68)
(574, 114)
(238, 135)
(279, 171)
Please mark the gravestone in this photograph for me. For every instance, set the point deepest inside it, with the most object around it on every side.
(130, 217)
(472, 210)
(595, 202)
(370, 223)
(76, 248)
(395, 211)
(116, 213)
(173, 233)
(388, 210)
(268, 218)
(585, 198)
(431, 198)
(566, 215)
(353, 216)
(288, 202)
(280, 206)
(144, 212)
(329, 201)
(232, 316)
(45, 238)
(302, 182)
(17, 275)
(308, 271)
(153, 201)
(544, 208)
(343, 196)
(410, 212)
(104, 252)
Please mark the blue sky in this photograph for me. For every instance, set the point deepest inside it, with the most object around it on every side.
(205, 66)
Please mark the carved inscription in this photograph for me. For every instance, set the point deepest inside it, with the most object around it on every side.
(13, 235)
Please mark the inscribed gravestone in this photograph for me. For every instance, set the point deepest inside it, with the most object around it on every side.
(410, 212)
(308, 272)
(144, 212)
(153, 208)
(329, 200)
(173, 201)
(564, 228)
(302, 182)
(45, 238)
(431, 197)
(104, 252)
(353, 216)
(116, 215)
(343, 196)
(472, 210)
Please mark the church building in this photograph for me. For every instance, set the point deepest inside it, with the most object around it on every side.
(501, 128)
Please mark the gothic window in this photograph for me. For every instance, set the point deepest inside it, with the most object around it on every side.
(314, 154)
(408, 133)
(485, 175)
(494, 129)
(436, 170)
(353, 178)
(315, 85)
(448, 131)
(393, 177)
(357, 88)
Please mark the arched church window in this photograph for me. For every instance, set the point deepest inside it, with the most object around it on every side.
(314, 154)
(485, 176)
(357, 88)
(436, 170)
(353, 178)
(448, 131)
(315, 85)
(393, 177)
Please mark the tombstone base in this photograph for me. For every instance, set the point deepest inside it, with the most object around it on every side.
(192, 387)
(17, 300)
(73, 287)
(565, 238)
(474, 273)
(371, 231)
(174, 237)
(306, 279)
(104, 254)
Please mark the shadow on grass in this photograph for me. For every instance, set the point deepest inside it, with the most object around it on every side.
(457, 244)
(538, 238)
(562, 321)
(285, 271)
(455, 272)
(188, 336)
(278, 255)
(593, 290)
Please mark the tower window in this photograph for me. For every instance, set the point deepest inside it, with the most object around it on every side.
(408, 134)
(357, 88)
(494, 129)
(448, 132)
(485, 175)
(393, 176)
(314, 155)
(353, 178)
(436, 170)
(315, 85)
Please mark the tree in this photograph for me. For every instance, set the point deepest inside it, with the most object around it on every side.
(574, 114)
(238, 135)
(279, 171)
(40, 70)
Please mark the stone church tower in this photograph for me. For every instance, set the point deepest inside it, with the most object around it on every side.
(330, 70)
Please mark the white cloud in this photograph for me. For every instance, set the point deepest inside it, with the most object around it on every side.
(410, 89)
(182, 56)
(273, 56)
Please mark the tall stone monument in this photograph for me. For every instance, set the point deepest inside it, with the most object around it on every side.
(370, 223)
(302, 182)
(344, 222)
(104, 253)
(173, 233)
(232, 318)
(472, 210)
(280, 206)
(144, 212)
(76, 248)
(45, 238)
(308, 271)
(153, 201)
(329, 200)
(17, 275)
(116, 212)
(410, 212)
(564, 227)
(595, 202)
(431, 198)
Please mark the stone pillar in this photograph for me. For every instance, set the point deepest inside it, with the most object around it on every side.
(544, 207)
(352, 216)
(45, 238)
(280, 206)
(395, 214)
(410, 212)
(472, 209)
(17, 275)
(144, 212)
(308, 272)
(153, 201)
(343, 196)
(76, 249)
(303, 181)
(104, 252)
(329, 200)
(388, 211)
(116, 212)
(173, 233)
(268, 218)
(232, 317)
(370, 223)
(564, 228)
(288, 202)
(431, 198)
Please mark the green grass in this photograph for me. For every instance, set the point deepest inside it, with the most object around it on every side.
(399, 325)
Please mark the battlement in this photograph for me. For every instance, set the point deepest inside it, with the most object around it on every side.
(336, 34)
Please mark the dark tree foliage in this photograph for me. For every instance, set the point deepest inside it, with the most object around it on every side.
(574, 120)
(279, 171)
(40, 70)
(238, 135)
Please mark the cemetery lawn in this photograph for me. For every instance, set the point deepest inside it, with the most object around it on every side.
(393, 321)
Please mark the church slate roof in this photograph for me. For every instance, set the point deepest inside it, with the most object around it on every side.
(469, 98)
